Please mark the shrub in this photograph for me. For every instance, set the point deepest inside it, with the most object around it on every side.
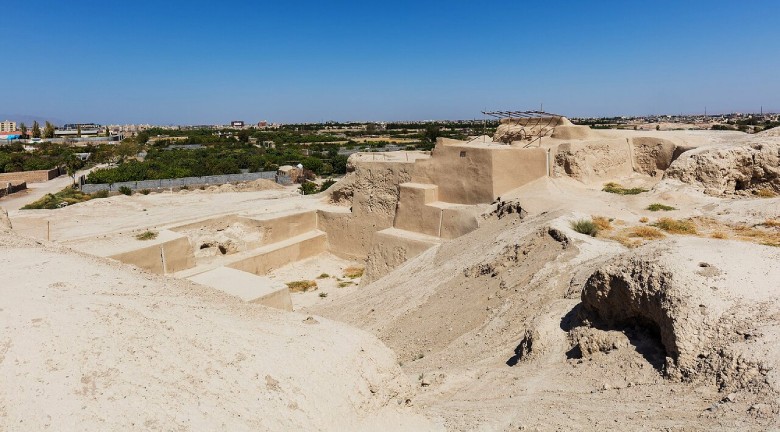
(584, 226)
(323, 276)
(323, 294)
(658, 206)
(146, 235)
(676, 226)
(302, 285)
(353, 272)
(643, 219)
(309, 188)
(124, 190)
(345, 284)
(326, 184)
(145, 191)
(100, 194)
(616, 188)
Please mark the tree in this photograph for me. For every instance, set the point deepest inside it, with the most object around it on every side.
(432, 132)
(23, 129)
(126, 149)
(108, 133)
(48, 130)
(36, 130)
(72, 164)
(78, 131)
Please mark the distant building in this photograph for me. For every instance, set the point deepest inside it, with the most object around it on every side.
(237, 123)
(8, 126)
(72, 130)
(262, 124)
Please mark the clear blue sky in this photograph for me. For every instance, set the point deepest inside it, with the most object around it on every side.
(188, 62)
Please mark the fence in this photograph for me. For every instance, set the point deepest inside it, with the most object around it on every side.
(12, 188)
(179, 182)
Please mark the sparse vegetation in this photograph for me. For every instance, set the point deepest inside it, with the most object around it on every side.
(345, 284)
(100, 194)
(145, 191)
(585, 226)
(302, 285)
(660, 207)
(645, 232)
(771, 223)
(323, 276)
(124, 190)
(147, 235)
(63, 198)
(323, 294)
(616, 188)
(643, 219)
(353, 272)
(676, 226)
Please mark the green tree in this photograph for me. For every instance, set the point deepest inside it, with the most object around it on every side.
(48, 130)
(72, 164)
(36, 130)
(23, 129)
(432, 131)
(78, 131)
(108, 133)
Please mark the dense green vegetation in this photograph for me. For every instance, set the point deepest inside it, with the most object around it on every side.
(218, 159)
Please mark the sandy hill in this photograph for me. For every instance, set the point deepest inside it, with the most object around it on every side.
(90, 344)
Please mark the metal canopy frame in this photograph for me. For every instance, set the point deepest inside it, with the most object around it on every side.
(549, 119)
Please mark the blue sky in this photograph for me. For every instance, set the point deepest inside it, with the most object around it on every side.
(189, 62)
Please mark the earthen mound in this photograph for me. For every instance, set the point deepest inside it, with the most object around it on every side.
(725, 169)
(93, 343)
(711, 304)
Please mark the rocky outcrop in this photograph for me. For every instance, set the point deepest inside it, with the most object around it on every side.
(728, 169)
(704, 299)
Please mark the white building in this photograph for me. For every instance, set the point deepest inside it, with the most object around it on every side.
(7, 126)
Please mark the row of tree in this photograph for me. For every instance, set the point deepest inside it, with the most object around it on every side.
(36, 132)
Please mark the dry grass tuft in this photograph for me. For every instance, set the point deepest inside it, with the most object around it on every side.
(602, 223)
(765, 193)
(345, 284)
(676, 226)
(719, 235)
(302, 285)
(643, 219)
(771, 223)
(353, 272)
(645, 232)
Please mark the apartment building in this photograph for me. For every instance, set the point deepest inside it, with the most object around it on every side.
(7, 126)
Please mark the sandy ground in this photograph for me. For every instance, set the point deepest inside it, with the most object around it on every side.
(484, 332)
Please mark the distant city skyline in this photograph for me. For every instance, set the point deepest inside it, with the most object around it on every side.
(203, 63)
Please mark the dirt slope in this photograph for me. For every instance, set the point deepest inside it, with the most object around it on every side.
(89, 344)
